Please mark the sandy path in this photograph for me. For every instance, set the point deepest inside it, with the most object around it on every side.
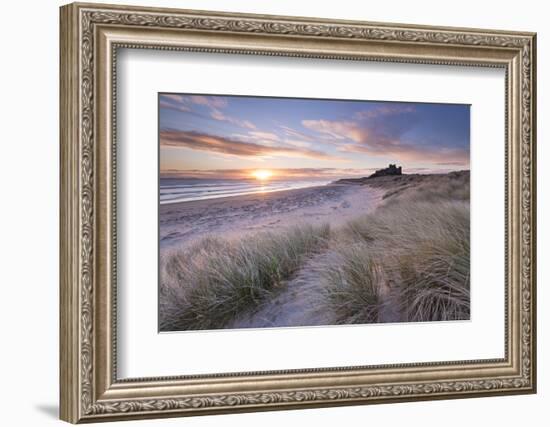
(297, 305)
(300, 304)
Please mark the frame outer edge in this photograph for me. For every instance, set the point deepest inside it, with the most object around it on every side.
(533, 206)
(69, 354)
(77, 339)
(305, 19)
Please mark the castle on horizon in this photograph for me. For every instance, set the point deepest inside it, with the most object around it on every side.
(392, 169)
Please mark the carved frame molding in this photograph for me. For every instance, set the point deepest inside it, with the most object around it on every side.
(90, 37)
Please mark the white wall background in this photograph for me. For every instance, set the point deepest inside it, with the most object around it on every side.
(29, 170)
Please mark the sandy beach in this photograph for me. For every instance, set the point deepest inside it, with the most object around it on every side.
(303, 273)
(183, 223)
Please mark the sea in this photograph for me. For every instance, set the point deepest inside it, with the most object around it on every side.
(176, 190)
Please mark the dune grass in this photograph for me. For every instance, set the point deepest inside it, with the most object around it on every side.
(351, 279)
(416, 253)
(411, 254)
(426, 188)
(213, 281)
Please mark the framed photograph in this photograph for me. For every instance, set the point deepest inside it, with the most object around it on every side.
(266, 212)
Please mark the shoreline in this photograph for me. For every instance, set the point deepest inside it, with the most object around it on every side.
(243, 196)
(250, 193)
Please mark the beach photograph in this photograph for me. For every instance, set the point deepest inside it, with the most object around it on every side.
(293, 212)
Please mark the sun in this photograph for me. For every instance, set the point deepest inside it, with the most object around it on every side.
(262, 174)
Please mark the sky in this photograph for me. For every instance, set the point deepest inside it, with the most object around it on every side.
(224, 137)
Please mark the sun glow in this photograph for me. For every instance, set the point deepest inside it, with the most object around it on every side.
(262, 174)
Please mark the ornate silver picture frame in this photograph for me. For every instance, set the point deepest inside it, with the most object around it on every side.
(91, 37)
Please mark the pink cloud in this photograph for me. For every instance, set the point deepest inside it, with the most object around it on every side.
(297, 143)
(376, 134)
(410, 153)
(296, 133)
(172, 97)
(176, 107)
(209, 101)
(218, 115)
(217, 144)
(264, 135)
(336, 129)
